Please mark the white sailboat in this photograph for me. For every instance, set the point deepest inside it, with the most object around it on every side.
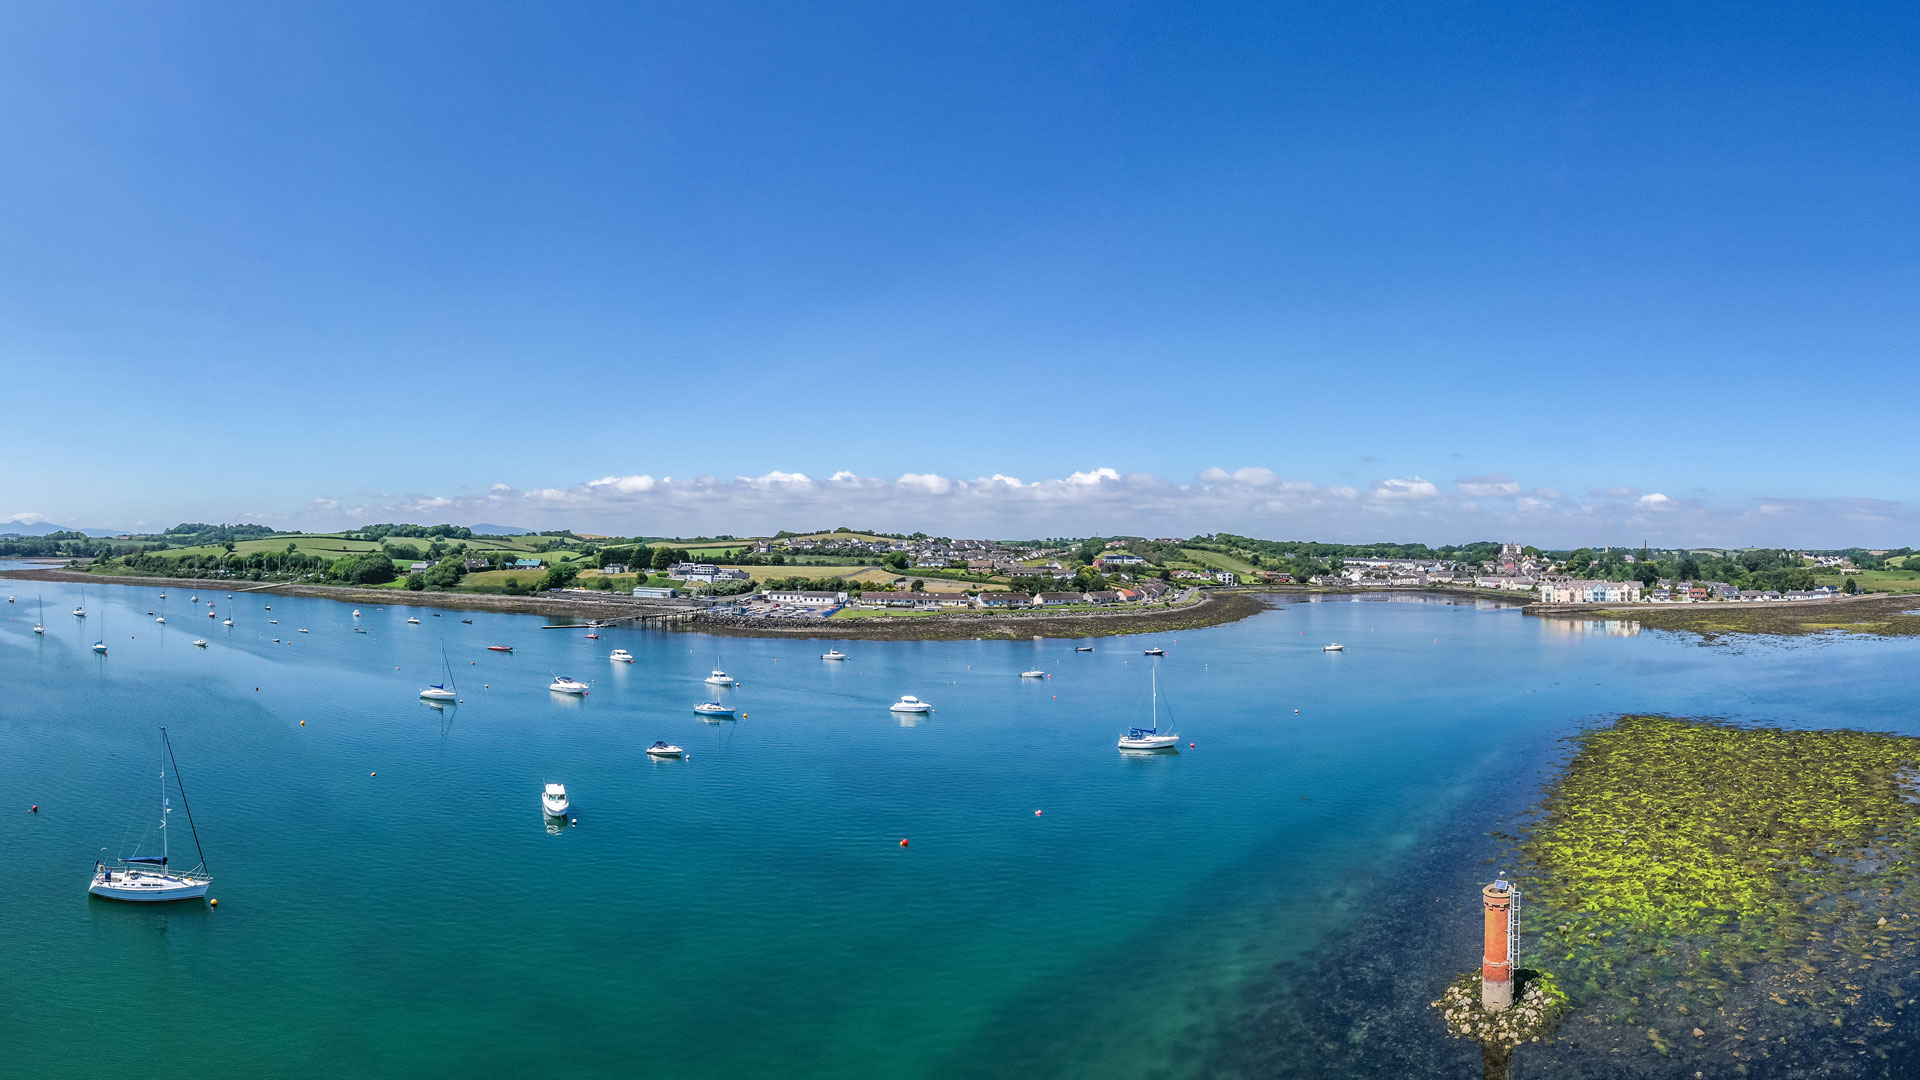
(100, 646)
(1151, 737)
(442, 691)
(39, 626)
(148, 879)
(713, 708)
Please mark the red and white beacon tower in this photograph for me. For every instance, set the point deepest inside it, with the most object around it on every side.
(1496, 963)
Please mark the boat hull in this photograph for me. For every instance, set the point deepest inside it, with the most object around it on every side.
(1150, 742)
(145, 888)
(551, 810)
(437, 695)
(911, 708)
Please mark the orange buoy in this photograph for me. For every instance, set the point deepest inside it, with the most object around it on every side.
(303, 723)
(373, 774)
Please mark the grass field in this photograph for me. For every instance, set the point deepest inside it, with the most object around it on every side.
(1876, 581)
(1214, 560)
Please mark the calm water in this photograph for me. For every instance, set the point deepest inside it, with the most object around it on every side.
(749, 912)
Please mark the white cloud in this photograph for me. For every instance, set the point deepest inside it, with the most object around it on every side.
(1484, 486)
(1411, 487)
(1251, 499)
(27, 518)
(624, 484)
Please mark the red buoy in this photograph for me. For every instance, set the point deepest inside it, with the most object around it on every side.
(36, 809)
(903, 843)
(1036, 813)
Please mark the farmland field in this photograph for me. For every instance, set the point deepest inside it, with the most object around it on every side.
(1214, 560)
(1878, 581)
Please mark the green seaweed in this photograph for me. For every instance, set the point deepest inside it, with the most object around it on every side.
(1675, 858)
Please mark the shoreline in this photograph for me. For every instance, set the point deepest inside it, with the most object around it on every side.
(1869, 614)
(1211, 609)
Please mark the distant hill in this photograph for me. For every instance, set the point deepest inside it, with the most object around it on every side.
(499, 530)
(42, 528)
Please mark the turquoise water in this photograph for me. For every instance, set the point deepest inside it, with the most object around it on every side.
(750, 912)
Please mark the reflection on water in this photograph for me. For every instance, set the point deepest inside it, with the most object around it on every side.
(1561, 627)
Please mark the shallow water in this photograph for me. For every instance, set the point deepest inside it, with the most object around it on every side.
(750, 912)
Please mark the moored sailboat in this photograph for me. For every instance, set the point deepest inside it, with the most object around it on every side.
(149, 879)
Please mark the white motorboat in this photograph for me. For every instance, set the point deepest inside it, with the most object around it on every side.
(441, 691)
(909, 703)
(564, 685)
(833, 654)
(1083, 648)
(413, 620)
(356, 613)
(1154, 652)
(621, 655)
(720, 678)
(1151, 737)
(147, 879)
(79, 613)
(359, 629)
(1335, 647)
(665, 749)
(713, 708)
(1036, 673)
(303, 630)
(200, 643)
(554, 800)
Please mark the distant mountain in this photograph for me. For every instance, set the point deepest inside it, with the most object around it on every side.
(499, 530)
(42, 528)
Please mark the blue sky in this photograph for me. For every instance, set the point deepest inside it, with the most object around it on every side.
(1340, 271)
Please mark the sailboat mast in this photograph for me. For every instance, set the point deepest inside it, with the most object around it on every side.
(187, 806)
(164, 854)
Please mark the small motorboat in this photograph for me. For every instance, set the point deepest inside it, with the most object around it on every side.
(909, 703)
(269, 606)
(200, 643)
(721, 678)
(593, 635)
(359, 629)
(833, 654)
(554, 800)
(275, 622)
(1083, 648)
(469, 622)
(621, 655)
(436, 614)
(665, 749)
(713, 708)
(356, 613)
(1036, 673)
(413, 620)
(303, 630)
(564, 685)
(499, 648)
(1154, 652)
(1335, 647)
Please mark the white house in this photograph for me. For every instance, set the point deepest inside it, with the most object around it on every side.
(806, 598)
